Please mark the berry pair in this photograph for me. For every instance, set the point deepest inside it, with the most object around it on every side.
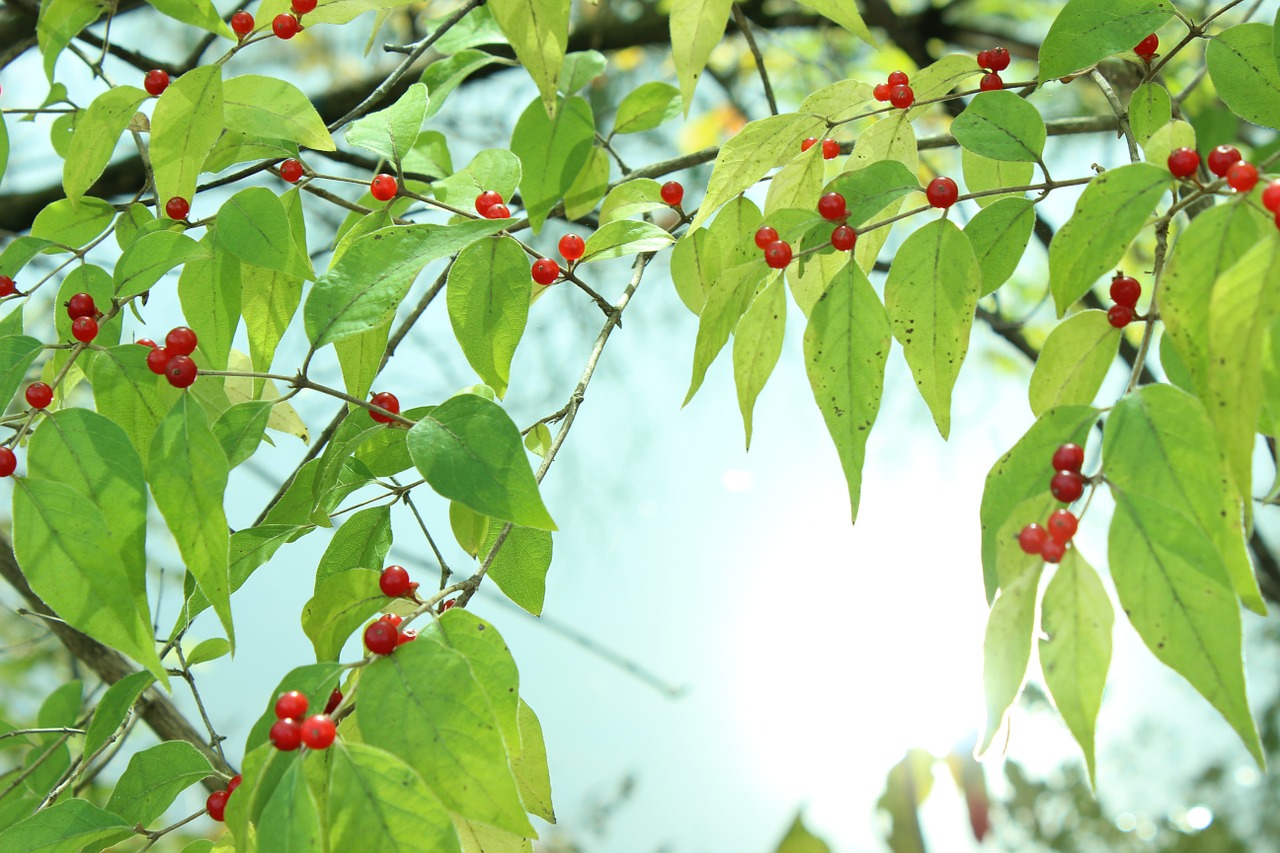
(383, 636)
(84, 317)
(777, 253)
(1050, 541)
(833, 207)
(830, 148)
(384, 400)
(1125, 291)
(1225, 162)
(489, 204)
(173, 360)
(896, 90)
(287, 734)
(394, 582)
(1067, 484)
(992, 61)
(216, 804)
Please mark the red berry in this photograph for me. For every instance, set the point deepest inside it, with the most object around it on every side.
(180, 341)
(302, 7)
(234, 783)
(1222, 159)
(394, 581)
(1120, 315)
(146, 342)
(942, 192)
(447, 604)
(84, 329)
(1032, 538)
(7, 287)
(898, 78)
(486, 200)
(901, 96)
(407, 637)
(1062, 525)
(1242, 177)
(180, 371)
(291, 704)
(383, 187)
(335, 699)
(39, 395)
(385, 400)
(765, 235)
(1052, 551)
(808, 143)
(1183, 162)
(381, 637)
(545, 271)
(843, 238)
(413, 590)
(991, 82)
(291, 170)
(8, 462)
(832, 206)
(830, 149)
(984, 59)
(881, 92)
(572, 247)
(81, 305)
(498, 211)
(1067, 486)
(1068, 457)
(319, 731)
(285, 26)
(1270, 200)
(158, 360)
(778, 255)
(672, 193)
(286, 734)
(216, 804)
(242, 23)
(1125, 290)
(155, 82)
(177, 208)
(1147, 47)
(998, 58)
(392, 619)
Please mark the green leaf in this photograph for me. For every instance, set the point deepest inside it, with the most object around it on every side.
(579, 69)
(491, 664)
(632, 198)
(651, 105)
(1007, 649)
(625, 237)
(488, 296)
(1242, 65)
(552, 152)
(874, 187)
(888, 139)
(982, 174)
(757, 344)
(1174, 589)
(64, 545)
(1110, 213)
(362, 540)
(800, 840)
(290, 821)
(844, 14)
(797, 184)
(113, 708)
(154, 779)
(846, 346)
(269, 301)
(377, 801)
(127, 392)
(1087, 31)
(1075, 649)
(1023, 474)
(360, 357)
(695, 265)
(424, 703)
(273, 109)
(539, 33)
(809, 282)
(188, 471)
(1175, 134)
(840, 101)
(184, 127)
(532, 774)
(58, 23)
(492, 169)
(253, 227)
(208, 650)
(931, 294)
(1160, 444)
(520, 566)
(478, 838)
(999, 235)
(1073, 362)
(4, 147)
(66, 827)
(390, 133)
(727, 300)
(73, 225)
(262, 772)
(1002, 126)
(342, 603)
(469, 451)
(240, 429)
(375, 273)
(697, 26)
(197, 13)
(147, 260)
(95, 139)
(470, 528)
(17, 354)
(590, 185)
(447, 73)
(1150, 109)
(939, 79)
(751, 153)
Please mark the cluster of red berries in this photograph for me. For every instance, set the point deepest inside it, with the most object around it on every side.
(7, 287)
(383, 187)
(287, 733)
(992, 61)
(155, 82)
(490, 205)
(287, 26)
(173, 360)
(394, 583)
(830, 148)
(833, 207)
(1224, 161)
(383, 636)
(1050, 541)
(384, 400)
(216, 804)
(1125, 291)
(1147, 48)
(942, 192)
(777, 253)
(84, 317)
(896, 90)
